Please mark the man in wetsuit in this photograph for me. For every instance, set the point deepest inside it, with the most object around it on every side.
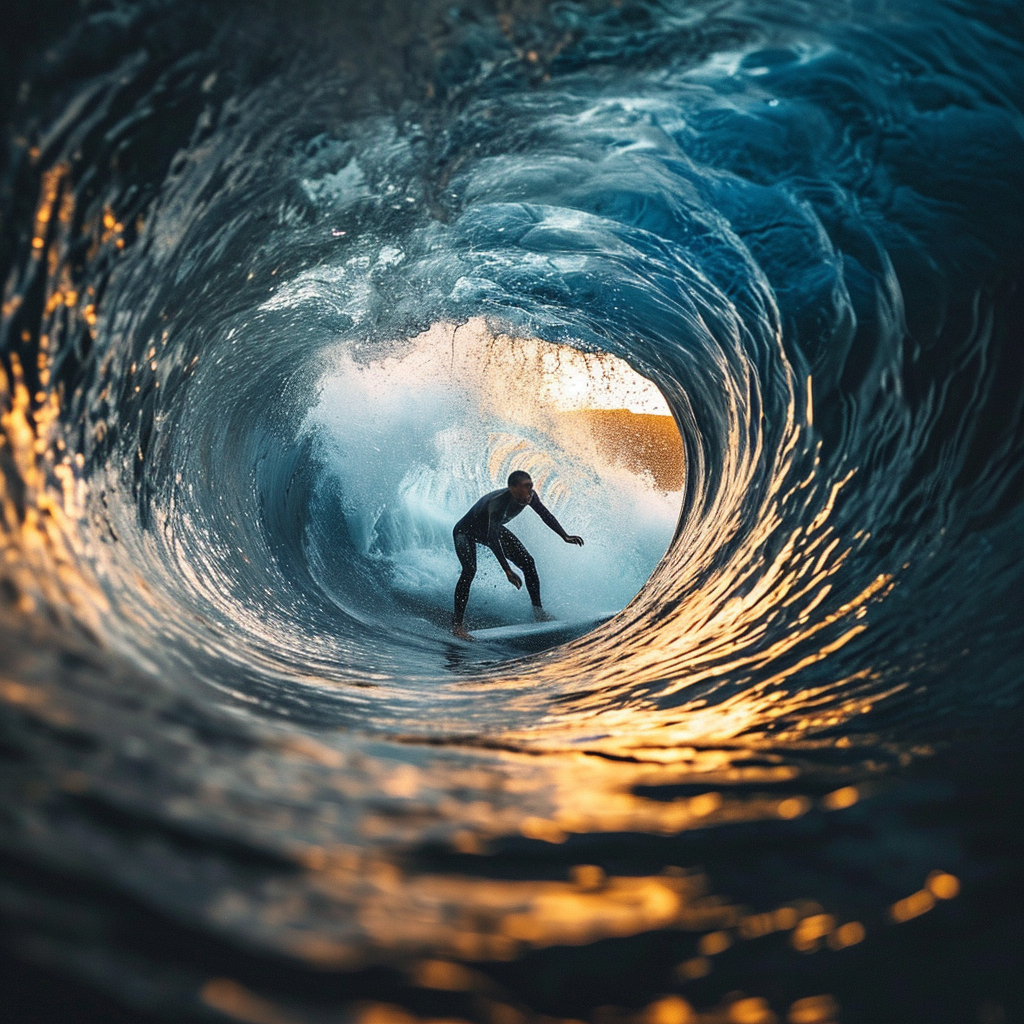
(484, 523)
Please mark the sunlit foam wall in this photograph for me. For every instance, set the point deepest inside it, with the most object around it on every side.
(408, 437)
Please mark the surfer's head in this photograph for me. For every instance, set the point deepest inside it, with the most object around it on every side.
(521, 486)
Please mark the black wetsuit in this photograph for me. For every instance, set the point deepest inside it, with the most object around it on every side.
(484, 523)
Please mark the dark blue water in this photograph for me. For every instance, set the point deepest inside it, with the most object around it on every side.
(279, 286)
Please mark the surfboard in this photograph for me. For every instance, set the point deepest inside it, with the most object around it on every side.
(525, 630)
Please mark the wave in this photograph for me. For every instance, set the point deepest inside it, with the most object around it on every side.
(285, 294)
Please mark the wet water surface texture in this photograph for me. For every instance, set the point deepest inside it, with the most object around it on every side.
(287, 287)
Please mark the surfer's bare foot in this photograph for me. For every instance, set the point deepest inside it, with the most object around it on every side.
(539, 615)
(461, 632)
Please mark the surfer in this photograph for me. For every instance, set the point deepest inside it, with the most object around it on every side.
(484, 524)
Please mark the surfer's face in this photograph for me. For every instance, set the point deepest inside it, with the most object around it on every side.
(522, 492)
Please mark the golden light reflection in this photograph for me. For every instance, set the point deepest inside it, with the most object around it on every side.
(240, 1003)
(785, 918)
(40, 545)
(751, 1011)
(445, 976)
(670, 1010)
(589, 877)
(942, 885)
(938, 886)
(754, 926)
(642, 730)
(912, 906)
(51, 185)
(811, 930)
(840, 799)
(845, 935)
(813, 1010)
(499, 919)
(464, 917)
(714, 943)
(793, 807)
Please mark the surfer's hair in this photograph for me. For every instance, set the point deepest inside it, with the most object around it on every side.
(518, 476)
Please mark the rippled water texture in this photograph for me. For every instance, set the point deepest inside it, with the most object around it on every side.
(287, 287)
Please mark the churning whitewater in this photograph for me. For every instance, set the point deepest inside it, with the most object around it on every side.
(286, 291)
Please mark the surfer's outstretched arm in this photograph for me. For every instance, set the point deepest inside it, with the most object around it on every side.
(551, 522)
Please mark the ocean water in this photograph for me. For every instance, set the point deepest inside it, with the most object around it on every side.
(287, 287)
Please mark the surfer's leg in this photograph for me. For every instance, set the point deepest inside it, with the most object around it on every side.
(465, 548)
(519, 556)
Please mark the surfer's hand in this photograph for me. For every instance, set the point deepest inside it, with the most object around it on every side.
(578, 541)
(513, 579)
